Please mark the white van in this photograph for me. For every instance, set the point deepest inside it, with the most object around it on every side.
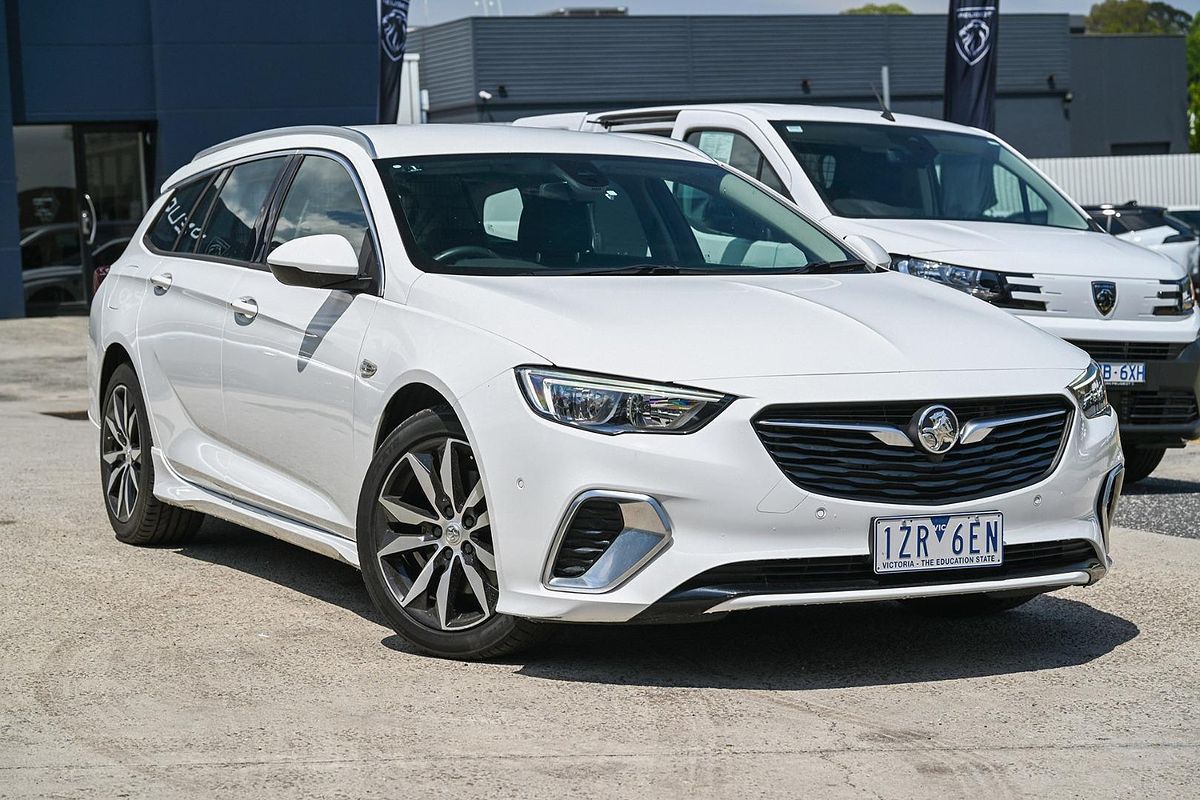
(958, 206)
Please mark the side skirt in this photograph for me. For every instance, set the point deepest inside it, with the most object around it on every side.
(170, 488)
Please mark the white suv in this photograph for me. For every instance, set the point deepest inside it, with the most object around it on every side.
(521, 375)
(960, 207)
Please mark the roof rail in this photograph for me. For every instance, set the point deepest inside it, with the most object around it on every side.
(640, 117)
(350, 134)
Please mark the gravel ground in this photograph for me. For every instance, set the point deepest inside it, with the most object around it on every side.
(1169, 500)
(241, 666)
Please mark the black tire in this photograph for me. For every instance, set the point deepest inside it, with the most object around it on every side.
(1141, 461)
(143, 520)
(496, 635)
(968, 605)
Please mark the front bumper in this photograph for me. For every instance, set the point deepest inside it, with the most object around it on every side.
(728, 502)
(1165, 410)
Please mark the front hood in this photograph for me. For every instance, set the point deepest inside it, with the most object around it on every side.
(1006, 247)
(687, 329)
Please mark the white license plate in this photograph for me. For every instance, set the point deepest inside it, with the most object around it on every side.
(947, 541)
(1123, 372)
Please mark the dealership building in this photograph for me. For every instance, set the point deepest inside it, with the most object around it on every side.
(99, 102)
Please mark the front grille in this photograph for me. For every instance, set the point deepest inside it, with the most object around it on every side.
(1132, 351)
(850, 573)
(856, 466)
(1148, 407)
(593, 528)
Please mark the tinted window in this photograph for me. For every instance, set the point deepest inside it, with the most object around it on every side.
(891, 172)
(738, 152)
(533, 214)
(176, 215)
(231, 228)
(322, 199)
(51, 246)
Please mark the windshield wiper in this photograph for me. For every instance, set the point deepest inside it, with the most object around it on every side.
(831, 267)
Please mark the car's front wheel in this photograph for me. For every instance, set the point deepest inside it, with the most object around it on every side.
(425, 543)
(1141, 461)
(127, 471)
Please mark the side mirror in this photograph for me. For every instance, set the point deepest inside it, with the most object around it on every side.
(318, 262)
(873, 250)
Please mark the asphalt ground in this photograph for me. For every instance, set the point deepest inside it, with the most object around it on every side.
(240, 666)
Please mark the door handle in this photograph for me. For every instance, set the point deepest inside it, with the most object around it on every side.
(162, 282)
(246, 308)
(91, 224)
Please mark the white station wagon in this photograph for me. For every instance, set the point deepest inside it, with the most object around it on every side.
(520, 375)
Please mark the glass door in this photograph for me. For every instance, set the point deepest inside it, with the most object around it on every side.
(114, 193)
(81, 191)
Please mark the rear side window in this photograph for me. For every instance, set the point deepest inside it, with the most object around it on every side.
(231, 229)
(322, 199)
(738, 152)
(176, 216)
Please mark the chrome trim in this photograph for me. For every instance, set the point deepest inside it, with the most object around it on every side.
(1047, 582)
(349, 134)
(1106, 503)
(635, 546)
(888, 434)
(977, 430)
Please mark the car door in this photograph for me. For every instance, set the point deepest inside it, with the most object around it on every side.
(179, 330)
(291, 360)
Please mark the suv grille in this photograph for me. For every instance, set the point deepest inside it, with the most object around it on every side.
(849, 573)
(856, 466)
(1132, 351)
(1140, 407)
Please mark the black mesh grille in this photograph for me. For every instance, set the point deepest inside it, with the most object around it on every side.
(857, 466)
(1132, 351)
(592, 530)
(848, 573)
(1148, 407)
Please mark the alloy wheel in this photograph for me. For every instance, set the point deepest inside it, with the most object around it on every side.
(121, 450)
(433, 540)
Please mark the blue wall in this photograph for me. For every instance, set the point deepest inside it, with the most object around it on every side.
(202, 72)
(12, 299)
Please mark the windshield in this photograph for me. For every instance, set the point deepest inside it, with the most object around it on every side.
(887, 172)
(505, 214)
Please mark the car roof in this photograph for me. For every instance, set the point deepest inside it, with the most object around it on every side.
(784, 112)
(398, 141)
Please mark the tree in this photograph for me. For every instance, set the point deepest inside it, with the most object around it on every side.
(876, 8)
(1137, 16)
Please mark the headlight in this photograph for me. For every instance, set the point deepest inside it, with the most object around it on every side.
(1183, 295)
(614, 405)
(1089, 390)
(994, 287)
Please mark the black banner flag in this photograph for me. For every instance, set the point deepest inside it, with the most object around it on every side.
(393, 35)
(971, 63)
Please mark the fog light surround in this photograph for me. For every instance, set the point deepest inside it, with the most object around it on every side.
(645, 532)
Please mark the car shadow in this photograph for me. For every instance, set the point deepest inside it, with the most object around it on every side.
(320, 577)
(1161, 486)
(818, 647)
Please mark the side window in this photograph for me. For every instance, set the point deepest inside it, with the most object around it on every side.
(176, 214)
(231, 229)
(322, 199)
(738, 152)
(502, 214)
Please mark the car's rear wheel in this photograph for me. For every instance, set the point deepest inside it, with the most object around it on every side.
(1141, 461)
(969, 605)
(127, 471)
(425, 543)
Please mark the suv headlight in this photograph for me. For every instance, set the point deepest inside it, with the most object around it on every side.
(1089, 390)
(1182, 291)
(994, 287)
(616, 405)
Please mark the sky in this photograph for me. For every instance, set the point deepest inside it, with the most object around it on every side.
(431, 12)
